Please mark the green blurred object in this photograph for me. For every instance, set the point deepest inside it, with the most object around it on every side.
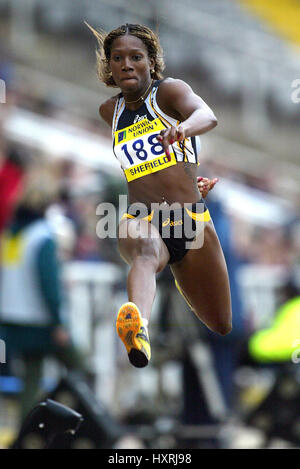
(281, 342)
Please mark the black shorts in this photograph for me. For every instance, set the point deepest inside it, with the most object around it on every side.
(177, 226)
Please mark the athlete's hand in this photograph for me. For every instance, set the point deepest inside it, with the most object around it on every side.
(168, 136)
(205, 185)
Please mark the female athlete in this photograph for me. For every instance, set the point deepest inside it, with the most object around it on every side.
(155, 126)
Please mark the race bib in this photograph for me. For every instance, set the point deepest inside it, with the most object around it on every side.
(138, 150)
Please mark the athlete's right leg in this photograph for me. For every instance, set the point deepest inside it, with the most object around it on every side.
(141, 246)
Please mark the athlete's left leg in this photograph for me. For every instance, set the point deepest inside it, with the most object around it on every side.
(202, 276)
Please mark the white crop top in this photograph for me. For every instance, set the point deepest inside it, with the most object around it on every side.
(134, 138)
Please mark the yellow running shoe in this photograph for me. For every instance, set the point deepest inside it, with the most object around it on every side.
(134, 334)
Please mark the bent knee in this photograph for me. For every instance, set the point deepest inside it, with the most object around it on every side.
(146, 249)
(140, 249)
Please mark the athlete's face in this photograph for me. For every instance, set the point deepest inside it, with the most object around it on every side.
(130, 64)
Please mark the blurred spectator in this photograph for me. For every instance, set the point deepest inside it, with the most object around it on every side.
(11, 181)
(31, 291)
(280, 342)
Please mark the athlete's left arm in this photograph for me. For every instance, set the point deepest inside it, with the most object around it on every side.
(205, 185)
(196, 117)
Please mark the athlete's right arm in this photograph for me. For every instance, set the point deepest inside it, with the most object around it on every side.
(106, 110)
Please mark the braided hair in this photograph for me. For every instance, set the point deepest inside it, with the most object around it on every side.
(105, 41)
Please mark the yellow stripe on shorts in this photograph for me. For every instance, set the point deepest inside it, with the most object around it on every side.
(205, 216)
(147, 218)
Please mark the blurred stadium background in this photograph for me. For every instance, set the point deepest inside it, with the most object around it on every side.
(242, 57)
